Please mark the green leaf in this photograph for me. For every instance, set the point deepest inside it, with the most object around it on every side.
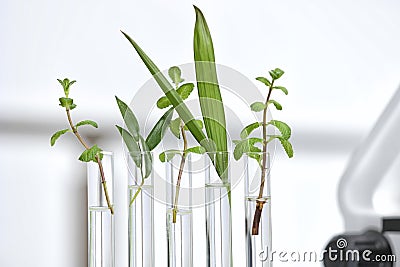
(257, 106)
(247, 145)
(287, 146)
(276, 104)
(87, 122)
(175, 127)
(196, 149)
(129, 119)
(278, 73)
(157, 133)
(198, 122)
(131, 144)
(147, 160)
(67, 103)
(264, 81)
(91, 154)
(163, 102)
(66, 83)
(57, 135)
(282, 127)
(175, 75)
(283, 89)
(211, 104)
(172, 95)
(248, 129)
(185, 90)
(168, 155)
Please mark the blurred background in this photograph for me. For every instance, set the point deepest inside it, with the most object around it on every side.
(341, 60)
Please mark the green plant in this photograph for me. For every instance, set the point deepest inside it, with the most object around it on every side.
(93, 153)
(140, 149)
(209, 95)
(178, 129)
(248, 144)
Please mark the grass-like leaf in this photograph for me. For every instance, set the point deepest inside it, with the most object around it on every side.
(129, 119)
(209, 93)
(147, 159)
(131, 144)
(172, 95)
(158, 131)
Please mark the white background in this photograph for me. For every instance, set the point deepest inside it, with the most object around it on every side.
(341, 60)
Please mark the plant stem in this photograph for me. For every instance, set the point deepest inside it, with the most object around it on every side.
(260, 202)
(178, 182)
(103, 179)
(137, 192)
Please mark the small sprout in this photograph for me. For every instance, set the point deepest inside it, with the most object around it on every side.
(93, 153)
(248, 144)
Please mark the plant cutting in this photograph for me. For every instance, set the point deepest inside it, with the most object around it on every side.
(178, 129)
(247, 144)
(208, 90)
(139, 148)
(93, 153)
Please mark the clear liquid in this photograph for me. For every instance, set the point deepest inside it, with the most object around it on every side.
(141, 227)
(258, 247)
(218, 226)
(180, 239)
(101, 237)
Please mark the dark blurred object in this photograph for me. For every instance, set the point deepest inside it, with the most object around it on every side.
(369, 249)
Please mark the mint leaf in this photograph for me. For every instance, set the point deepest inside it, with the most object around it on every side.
(175, 127)
(278, 73)
(132, 145)
(282, 127)
(57, 135)
(198, 122)
(175, 75)
(163, 102)
(248, 129)
(66, 85)
(276, 104)
(283, 89)
(257, 106)
(247, 145)
(185, 90)
(168, 155)
(91, 154)
(264, 81)
(129, 119)
(287, 146)
(67, 103)
(196, 149)
(87, 122)
(158, 131)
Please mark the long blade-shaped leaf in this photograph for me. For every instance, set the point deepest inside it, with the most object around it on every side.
(172, 95)
(209, 93)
